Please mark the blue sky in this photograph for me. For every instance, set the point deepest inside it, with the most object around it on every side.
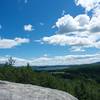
(35, 29)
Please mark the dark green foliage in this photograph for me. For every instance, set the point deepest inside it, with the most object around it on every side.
(80, 91)
(82, 82)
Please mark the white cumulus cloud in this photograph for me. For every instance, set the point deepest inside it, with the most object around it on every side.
(88, 4)
(81, 22)
(28, 27)
(66, 24)
(9, 43)
(94, 25)
(67, 40)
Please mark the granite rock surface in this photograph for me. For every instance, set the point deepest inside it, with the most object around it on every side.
(16, 91)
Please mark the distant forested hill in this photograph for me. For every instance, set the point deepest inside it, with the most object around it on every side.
(82, 81)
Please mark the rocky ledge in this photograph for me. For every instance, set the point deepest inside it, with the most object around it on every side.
(16, 91)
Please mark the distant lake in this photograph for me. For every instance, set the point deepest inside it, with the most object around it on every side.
(39, 68)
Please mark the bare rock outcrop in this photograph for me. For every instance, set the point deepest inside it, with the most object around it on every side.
(16, 91)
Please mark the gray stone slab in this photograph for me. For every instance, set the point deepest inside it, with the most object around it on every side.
(16, 91)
